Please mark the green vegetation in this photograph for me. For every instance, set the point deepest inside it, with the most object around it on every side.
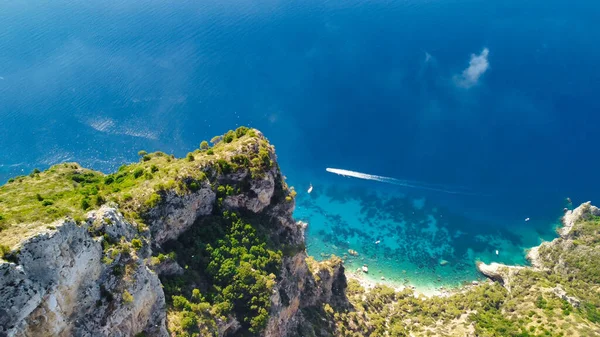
(127, 297)
(4, 250)
(29, 203)
(137, 244)
(237, 265)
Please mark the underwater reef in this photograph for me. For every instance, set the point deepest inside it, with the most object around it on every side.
(206, 245)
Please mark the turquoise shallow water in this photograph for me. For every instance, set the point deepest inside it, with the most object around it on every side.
(406, 237)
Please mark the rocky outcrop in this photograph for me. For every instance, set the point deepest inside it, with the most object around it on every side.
(61, 285)
(168, 267)
(562, 294)
(177, 213)
(303, 288)
(571, 217)
(331, 284)
(499, 272)
(258, 197)
(583, 212)
(299, 287)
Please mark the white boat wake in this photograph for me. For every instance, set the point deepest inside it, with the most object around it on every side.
(394, 181)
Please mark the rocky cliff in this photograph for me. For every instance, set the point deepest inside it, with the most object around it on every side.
(104, 267)
(58, 284)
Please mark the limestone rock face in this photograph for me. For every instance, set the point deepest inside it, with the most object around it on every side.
(259, 196)
(60, 286)
(168, 267)
(497, 271)
(177, 213)
(301, 289)
(561, 293)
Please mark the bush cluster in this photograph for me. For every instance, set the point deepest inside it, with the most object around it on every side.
(240, 270)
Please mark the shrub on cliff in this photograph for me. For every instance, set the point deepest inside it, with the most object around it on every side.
(137, 244)
(4, 250)
(85, 204)
(204, 145)
(138, 172)
(241, 160)
(229, 136)
(224, 167)
(241, 131)
(127, 297)
(153, 200)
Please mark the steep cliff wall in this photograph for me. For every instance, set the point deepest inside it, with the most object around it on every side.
(63, 283)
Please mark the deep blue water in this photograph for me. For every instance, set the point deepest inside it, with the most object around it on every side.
(369, 86)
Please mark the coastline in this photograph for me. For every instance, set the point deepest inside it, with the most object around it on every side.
(419, 290)
(492, 272)
(503, 272)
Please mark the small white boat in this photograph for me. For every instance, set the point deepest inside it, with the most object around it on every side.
(497, 252)
(310, 188)
(526, 219)
(377, 242)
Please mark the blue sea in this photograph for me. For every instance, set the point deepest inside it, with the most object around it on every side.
(492, 102)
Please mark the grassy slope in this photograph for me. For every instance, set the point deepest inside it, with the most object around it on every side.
(30, 203)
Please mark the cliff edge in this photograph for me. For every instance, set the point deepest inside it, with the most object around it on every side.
(200, 245)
